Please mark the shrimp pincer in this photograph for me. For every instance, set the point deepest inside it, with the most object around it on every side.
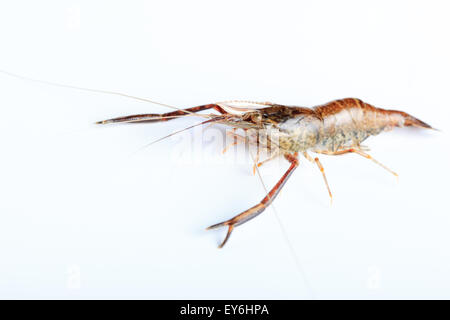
(335, 128)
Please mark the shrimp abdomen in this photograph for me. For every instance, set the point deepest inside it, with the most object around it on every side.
(350, 121)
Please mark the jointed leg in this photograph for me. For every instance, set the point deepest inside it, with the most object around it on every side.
(237, 137)
(361, 153)
(260, 207)
(235, 140)
(259, 164)
(256, 163)
(155, 117)
(268, 147)
(319, 165)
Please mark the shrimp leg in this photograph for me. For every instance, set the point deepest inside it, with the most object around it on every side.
(259, 164)
(319, 165)
(361, 153)
(260, 207)
(157, 117)
(235, 140)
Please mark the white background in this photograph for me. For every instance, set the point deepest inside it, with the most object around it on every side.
(83, 215)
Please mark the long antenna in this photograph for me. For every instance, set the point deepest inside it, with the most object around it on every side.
(54, 84)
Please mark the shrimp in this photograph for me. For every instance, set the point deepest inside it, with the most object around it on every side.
(335, 128)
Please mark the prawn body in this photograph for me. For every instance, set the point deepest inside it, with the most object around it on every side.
(335, 128)
(330, 127)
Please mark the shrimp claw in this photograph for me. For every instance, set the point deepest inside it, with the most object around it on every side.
(261, 206)
(156, 117)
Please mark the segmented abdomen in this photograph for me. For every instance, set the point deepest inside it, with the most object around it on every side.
(348, 122)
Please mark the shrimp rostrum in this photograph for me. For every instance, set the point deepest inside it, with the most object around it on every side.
(335, 128)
